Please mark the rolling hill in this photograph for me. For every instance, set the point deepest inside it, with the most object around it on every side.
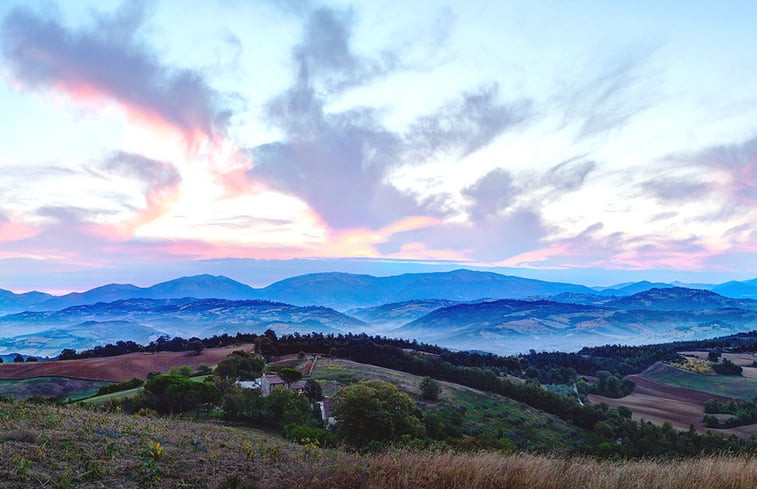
(509, 326)
(679, 299)
(46, 333)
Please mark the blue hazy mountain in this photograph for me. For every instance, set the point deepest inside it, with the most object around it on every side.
(399, 313)
(630, 288)
(198, 286)
(348, 291)
(514, 326)
(10, 302)
(679, 299)
(144, 318)
(344, 290)
(738, 290)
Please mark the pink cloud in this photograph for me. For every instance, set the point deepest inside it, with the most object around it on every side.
(16, 231)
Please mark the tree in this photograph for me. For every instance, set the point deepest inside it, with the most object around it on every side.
(313, 390)
(174, 393)
(374, 411)
(184, 370)
(31, 359)
(289, 375)
(18, 359)
(430, 389)
(204, 370)
(713, 356)
(196, 346)
(240, 365)
(67, 354)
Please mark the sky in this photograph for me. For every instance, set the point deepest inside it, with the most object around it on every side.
(585, 141)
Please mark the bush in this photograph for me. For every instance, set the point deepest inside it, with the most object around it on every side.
(305, 435)
(430, 389)
(727, 367)
(121, 386)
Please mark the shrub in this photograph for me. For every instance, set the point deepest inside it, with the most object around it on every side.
(305, 435)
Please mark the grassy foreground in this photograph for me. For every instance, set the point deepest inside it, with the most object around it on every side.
(43, 446)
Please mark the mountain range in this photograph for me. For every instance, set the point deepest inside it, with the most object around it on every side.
(458, 309)
(345, 291)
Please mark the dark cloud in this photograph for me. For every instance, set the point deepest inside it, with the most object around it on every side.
(339, 161)
(491, 194)
(325, 53)
(676, 189)
(617, 90)
(489, 240)
(734, 164)
(569, 175)
(153, 174)
(464, 125)
(107, 59)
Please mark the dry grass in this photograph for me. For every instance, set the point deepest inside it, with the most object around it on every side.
(71, 447)
(492, 471)
(696, 365)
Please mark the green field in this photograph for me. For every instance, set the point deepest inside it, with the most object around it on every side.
(722, 385)
(58, 387)
(478, 412)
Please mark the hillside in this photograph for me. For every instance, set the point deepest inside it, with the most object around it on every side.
(399, 313)
(74, 447)
(486, 414)
(118, 368)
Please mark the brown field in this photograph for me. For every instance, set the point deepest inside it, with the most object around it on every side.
(656, 402)
(737, 358)
(117, 369)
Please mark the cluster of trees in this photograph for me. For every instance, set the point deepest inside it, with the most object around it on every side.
(19, 359)
(240, 365)
(727, 367)
(743, 413)
(609, 385)
(552, 375)
(121, 386)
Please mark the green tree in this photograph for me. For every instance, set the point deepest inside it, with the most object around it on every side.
(430, 389)
(374, 411)
(313, 390)
(289, 375)
(240, 365)
(174, 393)
(196, 346)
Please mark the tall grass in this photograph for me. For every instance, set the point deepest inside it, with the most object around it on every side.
(492, 471)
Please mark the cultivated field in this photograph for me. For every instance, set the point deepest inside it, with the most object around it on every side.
(43, 446)
(733, 386)
(119, 368)
(659, 402)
